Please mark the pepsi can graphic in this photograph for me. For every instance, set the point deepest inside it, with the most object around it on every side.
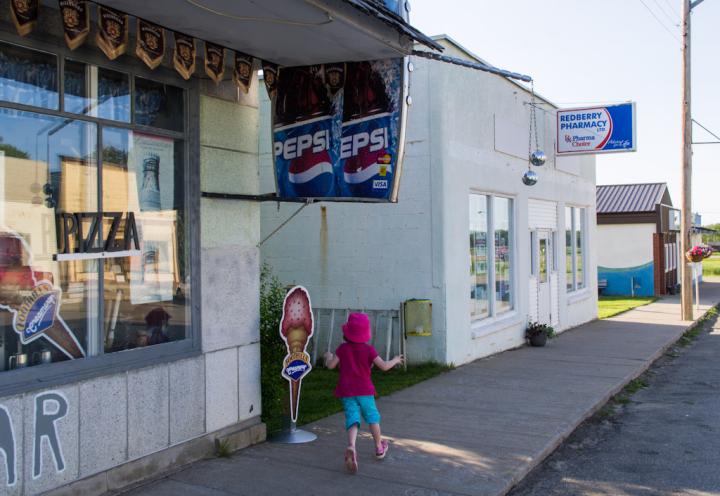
(302, 159)
(365, 150)
(302, 134)
(367, 144)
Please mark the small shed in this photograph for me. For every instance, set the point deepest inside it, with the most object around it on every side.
(638, 239)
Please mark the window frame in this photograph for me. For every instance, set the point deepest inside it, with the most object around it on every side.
(583, 245)
(493, 315)
(33, 378)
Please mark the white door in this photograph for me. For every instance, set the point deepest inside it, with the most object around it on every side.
(544, 270)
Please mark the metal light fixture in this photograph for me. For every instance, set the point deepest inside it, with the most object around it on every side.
(537, 158)
(529, 178)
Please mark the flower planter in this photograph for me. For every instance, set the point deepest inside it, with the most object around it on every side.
(696, 258)
(538, 340)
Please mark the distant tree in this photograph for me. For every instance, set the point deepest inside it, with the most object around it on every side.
(712, 237)
(12, 151)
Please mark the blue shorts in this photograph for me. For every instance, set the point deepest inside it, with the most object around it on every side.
(355, 405)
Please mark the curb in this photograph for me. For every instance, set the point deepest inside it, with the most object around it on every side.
(556, 441)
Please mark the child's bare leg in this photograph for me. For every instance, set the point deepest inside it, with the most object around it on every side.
(375, 430)
(352, 434)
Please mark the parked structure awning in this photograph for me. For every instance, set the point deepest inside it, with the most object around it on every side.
(286, 32)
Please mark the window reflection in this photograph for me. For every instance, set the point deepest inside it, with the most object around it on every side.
(479, 276)
(146, 296)
(28, 77)
(578, 222)
(502, 209)
(96, 91)
(159, 105)
(47, 308)
(569, 250)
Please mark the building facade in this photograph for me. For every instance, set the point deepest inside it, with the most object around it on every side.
(638, 239)
(489, 252)
(129, 288)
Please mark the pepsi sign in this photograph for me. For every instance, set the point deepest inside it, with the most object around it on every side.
(597, 130)
(338, 137)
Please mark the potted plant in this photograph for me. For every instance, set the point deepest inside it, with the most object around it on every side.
(538, 334)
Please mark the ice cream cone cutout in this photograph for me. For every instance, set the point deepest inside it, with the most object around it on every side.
(296, 327)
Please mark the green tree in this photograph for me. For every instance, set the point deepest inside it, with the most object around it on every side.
(712, 237)
(12, 151)
(272, 346)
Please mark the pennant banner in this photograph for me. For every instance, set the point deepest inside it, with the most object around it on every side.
(25, 14)
(242, 73)
(184, 59)
(335, 78)
(76, 22)
(150, 43)
(214, 61)
(270, 75)
(112, 35)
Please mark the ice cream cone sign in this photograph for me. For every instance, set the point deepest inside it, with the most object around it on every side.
(296, 327)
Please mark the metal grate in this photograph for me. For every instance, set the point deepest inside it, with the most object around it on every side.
(418, 317)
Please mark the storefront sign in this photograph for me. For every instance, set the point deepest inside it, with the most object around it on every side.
(296, 327)
(597, 130)
(90, 242)
(337, 129)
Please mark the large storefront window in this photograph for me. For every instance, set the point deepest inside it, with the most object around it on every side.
(491, 257)
(574, 244)
(94, 236)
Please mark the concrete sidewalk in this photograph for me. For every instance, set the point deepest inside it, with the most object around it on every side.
(476, 430)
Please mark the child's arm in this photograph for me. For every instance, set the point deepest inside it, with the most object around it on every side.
(331, 361)
(383, 365)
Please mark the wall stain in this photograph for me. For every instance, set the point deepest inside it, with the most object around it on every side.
(323, 244)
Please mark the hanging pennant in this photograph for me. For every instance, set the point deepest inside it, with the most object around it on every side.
(112, 36)
(214, 61)
(150, 43)
(76, 22)
(184, 59)
(242, 73)
(334, 78)
(270, 75)
(25, 14)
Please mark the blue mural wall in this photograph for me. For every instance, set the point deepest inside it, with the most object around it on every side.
(619, 281)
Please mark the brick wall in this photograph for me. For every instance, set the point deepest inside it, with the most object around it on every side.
(659, 263)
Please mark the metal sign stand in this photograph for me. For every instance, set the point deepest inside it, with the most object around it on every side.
(289, 434)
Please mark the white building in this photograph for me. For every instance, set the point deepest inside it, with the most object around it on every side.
(464, 229)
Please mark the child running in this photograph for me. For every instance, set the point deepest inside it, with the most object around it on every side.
(355, 388)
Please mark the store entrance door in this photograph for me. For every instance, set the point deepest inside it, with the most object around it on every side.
(544, 270)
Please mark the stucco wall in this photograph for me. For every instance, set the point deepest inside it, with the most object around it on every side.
(466, 145)
(366, 256)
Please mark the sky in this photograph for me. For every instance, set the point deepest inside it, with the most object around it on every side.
(611, 51)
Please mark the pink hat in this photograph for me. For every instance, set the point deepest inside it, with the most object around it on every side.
(357, 328)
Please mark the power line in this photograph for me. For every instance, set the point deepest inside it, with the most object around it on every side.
(706, 129)
(666, 15)
(673, 10)
(658, 20)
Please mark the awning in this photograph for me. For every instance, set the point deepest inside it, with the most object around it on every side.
(703, 230)
(286, 32)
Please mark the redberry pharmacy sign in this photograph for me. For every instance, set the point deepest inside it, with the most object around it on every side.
(597, 130)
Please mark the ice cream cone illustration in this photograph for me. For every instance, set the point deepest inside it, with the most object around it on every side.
(296, 327)
(33, 299)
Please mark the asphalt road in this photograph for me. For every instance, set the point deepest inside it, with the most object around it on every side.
(665, 441)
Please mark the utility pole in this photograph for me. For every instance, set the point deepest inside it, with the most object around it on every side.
(685, 220)
(686, 184)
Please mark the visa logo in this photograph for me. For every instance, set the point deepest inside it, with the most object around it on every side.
(380, 184)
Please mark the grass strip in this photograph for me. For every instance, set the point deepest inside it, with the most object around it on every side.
(609, 306)
(711, 266)
(316, 395)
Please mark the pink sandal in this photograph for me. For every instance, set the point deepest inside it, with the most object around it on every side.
(380, 453)
(351, 460)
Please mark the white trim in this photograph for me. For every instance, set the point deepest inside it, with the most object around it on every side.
(485, 327)
(64, 257)
(579, 295)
